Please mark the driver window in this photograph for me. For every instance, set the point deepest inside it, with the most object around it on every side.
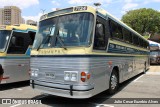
(99, 40)
(19, 43)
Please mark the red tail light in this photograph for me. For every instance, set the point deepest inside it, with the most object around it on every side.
(83, 76)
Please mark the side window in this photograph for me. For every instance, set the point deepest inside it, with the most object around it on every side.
(99, 40)
(146, 44)
(127, 35)
(16, 45)
(141, 42)
(135, 40)
(116, 30)
(19, 43)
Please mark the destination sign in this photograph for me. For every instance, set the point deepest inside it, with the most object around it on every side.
(80, 8)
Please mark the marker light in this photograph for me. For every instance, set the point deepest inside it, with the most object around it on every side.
(88, 76)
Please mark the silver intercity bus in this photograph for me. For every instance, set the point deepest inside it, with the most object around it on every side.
(81, 51)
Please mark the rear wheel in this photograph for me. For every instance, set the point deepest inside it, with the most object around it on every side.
(114, 82)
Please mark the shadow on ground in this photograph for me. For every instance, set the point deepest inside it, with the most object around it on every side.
(13, 85)
(155, 64)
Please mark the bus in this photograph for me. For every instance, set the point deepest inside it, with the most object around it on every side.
(81, 51)
(15, 47)
(154, 52)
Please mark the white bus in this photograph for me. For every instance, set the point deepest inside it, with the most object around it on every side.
(15, 45)
(81, 51)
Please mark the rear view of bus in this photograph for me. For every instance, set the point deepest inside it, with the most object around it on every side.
(75, 56)
(15, 45)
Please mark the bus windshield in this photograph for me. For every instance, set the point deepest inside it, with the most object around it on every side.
(4, 37)
(71, 30)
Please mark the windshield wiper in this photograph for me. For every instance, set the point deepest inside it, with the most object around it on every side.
(46, 38)
(61, 42)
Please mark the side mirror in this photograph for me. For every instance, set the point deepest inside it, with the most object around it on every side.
(13, 40)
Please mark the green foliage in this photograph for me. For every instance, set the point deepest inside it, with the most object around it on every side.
(146, 36)
(143, 20)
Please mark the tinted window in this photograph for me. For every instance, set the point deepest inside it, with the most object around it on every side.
(141, 42)
(19, 43)
(116, 30)
(135, 40)
(126, 35)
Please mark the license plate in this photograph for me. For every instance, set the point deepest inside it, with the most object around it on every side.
(50, 74)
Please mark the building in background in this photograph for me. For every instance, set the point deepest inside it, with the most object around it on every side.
(10, 15)
(22, 21)
(31, 22)
(1, 16)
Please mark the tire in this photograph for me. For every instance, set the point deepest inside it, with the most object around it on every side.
(113, 83)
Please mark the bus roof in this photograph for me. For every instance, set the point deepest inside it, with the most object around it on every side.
(21, 27)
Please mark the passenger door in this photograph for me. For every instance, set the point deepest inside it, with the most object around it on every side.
(100, 63)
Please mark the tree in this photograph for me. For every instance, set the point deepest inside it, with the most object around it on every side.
(143, 20)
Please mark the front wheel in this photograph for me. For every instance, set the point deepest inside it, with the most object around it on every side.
(113, 83)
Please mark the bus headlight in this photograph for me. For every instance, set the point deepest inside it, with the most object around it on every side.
(70, 75)
(74, 76)
(66, 76)
(34, 72)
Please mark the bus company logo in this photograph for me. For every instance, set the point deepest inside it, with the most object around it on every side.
(6, 101)
(50, 52)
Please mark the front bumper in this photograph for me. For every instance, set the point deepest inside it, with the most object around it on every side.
(63, 90)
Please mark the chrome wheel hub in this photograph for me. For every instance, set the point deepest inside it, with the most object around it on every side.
(113, 82)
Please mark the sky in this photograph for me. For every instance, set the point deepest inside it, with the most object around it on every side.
(33, 9)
